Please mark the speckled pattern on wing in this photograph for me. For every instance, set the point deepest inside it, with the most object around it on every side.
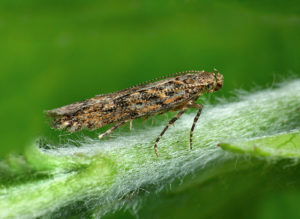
(141, 101)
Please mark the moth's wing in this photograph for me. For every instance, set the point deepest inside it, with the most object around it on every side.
(74, 108)
(70, 117)
(91, 113)
(102, 109)
(70, 109)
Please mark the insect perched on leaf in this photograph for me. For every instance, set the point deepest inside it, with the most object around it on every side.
(176, 92)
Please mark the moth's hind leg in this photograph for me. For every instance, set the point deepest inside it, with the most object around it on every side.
(111, 129)
(165, 129)
(199, 106)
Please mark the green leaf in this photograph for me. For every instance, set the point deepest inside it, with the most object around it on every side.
(285, 145)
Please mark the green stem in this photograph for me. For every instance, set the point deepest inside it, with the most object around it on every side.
(111, 171)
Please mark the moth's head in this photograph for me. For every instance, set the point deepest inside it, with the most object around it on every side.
(215, 81)
(219, 80)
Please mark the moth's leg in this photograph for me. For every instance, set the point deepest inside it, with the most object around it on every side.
(145, 119)
(111, 129)
(165, 129)
(130, 125)
(199, 106)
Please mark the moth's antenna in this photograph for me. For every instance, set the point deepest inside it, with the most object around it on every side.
(167, 76)
(159, 78)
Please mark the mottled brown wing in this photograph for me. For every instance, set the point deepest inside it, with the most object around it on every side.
(91, 113)
(70, 109)
(132, 103)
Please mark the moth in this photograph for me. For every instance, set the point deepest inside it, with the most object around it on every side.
(176, 92)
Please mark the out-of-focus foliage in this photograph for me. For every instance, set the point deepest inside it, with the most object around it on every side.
(279, 146)
(56, 52)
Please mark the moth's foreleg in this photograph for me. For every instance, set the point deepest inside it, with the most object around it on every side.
(199, 106)
(165, 129)
(111, 129)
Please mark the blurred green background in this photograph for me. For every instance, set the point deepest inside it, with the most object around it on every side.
(56, 52)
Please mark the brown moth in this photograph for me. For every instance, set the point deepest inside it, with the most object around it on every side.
(176, 92)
